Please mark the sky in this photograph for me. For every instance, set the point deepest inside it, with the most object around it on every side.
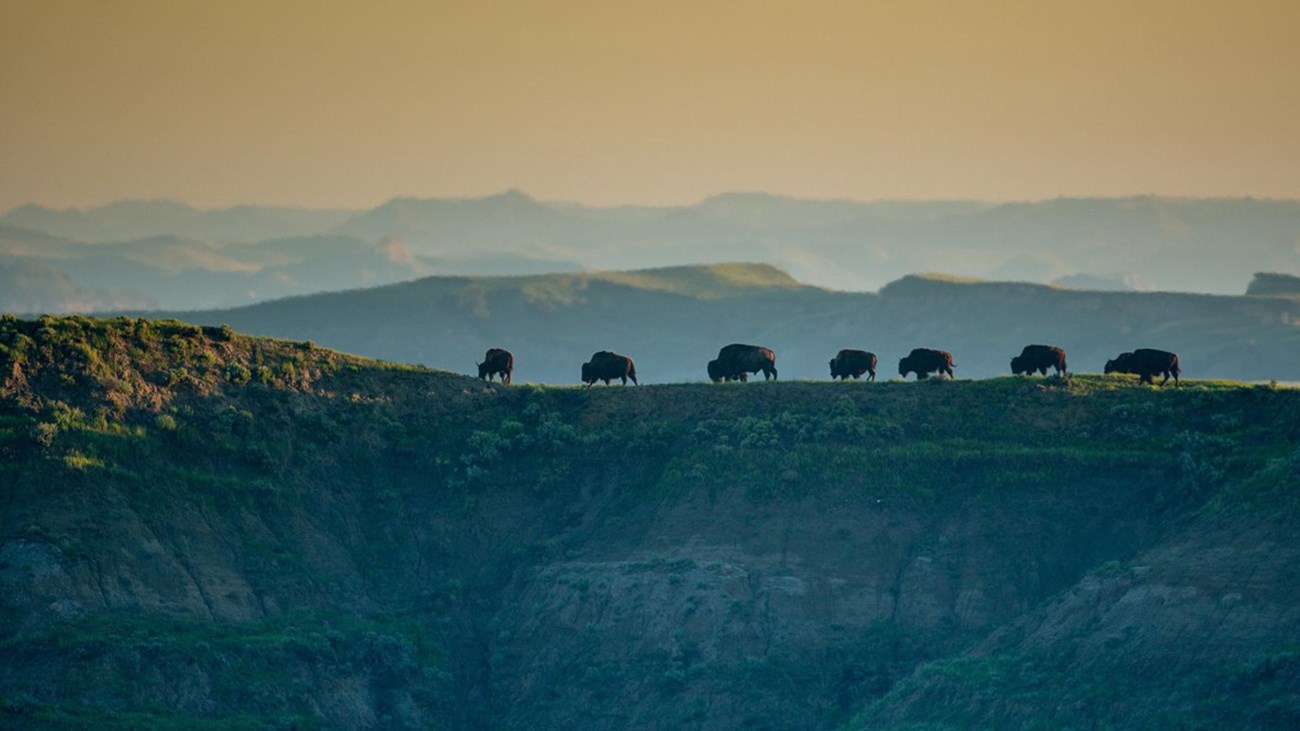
(322, 103)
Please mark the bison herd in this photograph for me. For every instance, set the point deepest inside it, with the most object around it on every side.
(736, 362)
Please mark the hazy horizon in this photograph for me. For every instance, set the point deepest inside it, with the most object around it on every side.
(641, 204)
(330, 105)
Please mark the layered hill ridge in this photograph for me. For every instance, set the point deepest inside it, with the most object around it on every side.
(673, 321)
(1146, 242)
(199, 527)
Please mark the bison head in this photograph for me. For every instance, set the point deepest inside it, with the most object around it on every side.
(483, 370)
(1017, 366)
(1119, 364)
(715, 371)
(905, 366)
(587, 378)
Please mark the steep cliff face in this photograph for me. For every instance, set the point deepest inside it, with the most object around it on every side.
(198, 527)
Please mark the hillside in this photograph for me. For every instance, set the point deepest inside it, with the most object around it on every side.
(673, 320)
(203, 529)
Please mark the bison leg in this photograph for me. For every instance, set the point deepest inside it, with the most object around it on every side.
(872, 377)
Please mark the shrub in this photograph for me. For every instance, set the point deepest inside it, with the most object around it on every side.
(165, 422)
(238, 374)
(44, 433)
(221, 334)
(167, 376)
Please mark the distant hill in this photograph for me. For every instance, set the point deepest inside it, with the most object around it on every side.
(1170, 244)
(30, 286)
(1120, 283)
(24, 242)
(672, 321)
(130, 220)
(211, 259)
(1266, 283)
(175, 271)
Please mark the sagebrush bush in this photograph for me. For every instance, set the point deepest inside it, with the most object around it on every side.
(238, 374)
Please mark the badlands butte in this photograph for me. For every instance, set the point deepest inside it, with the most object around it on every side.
(201, 529)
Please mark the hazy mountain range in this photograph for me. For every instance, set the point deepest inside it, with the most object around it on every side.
(169, 255)
(673, 320)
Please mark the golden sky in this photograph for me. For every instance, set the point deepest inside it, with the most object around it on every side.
(351, 103)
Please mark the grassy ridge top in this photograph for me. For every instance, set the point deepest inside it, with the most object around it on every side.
(128, 363)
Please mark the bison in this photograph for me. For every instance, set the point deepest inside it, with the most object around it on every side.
(497, 362)
(1146, 363)
(853, 363)
(1039, 358)
(606, 366)
(735, 362)
(924, 361)
(715, 371)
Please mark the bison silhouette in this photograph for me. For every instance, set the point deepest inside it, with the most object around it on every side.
(736, 361)
(607, 365)
(852, 364)
(1039, 358)
(497, 362)
(1145, 363)
(924, 361)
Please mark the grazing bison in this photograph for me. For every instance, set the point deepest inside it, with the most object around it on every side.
(735, 362)
(606, 366)
(853, 363)
(1039, 358)
(924, 361)
(715, 371)
(497, 362)
(1146, 363)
